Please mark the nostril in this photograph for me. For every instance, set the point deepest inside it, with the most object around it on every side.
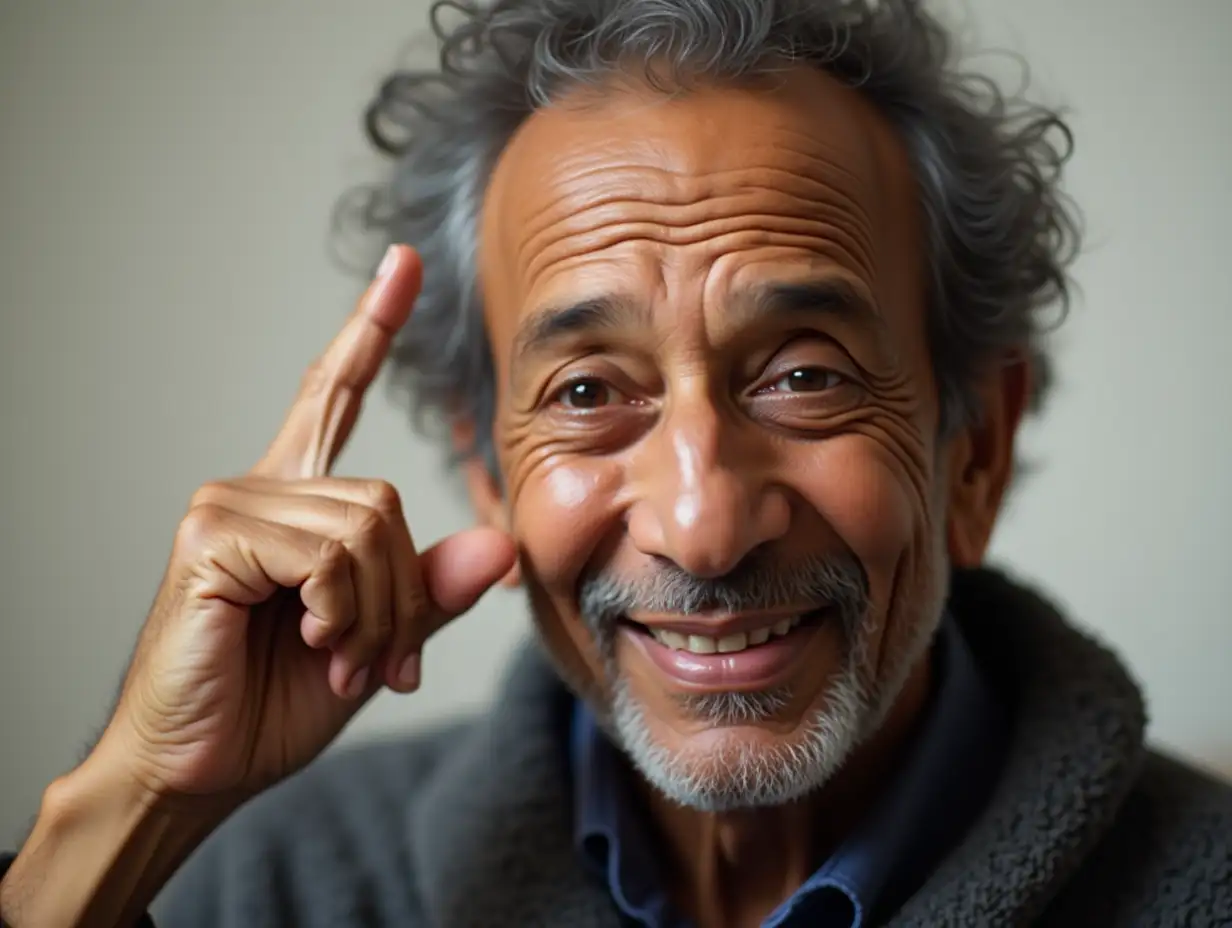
(706, 519)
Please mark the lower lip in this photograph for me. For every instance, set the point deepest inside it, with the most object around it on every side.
(761, 667)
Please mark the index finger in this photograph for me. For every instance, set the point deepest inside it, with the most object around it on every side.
(331, 394)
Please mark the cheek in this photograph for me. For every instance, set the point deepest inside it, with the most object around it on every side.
(561, 513)
(860, 491)
(874, 501)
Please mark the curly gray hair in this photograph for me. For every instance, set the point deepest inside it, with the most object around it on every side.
(1001, 233)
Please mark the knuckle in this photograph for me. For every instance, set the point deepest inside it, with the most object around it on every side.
(414, 616)
(333, 561)
(382, 625)
(372, 633)
(383, 497)
(415, 604)
(200, 528)
(369, 531)
(206, 495)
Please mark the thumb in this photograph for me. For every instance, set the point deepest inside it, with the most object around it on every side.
(459, 569)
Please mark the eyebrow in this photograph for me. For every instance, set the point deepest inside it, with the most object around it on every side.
(543, 329)
(830, 296)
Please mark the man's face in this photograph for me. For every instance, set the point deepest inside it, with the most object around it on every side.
(717, 422)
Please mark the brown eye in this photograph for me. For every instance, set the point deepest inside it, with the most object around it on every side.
(807, 380)
(587, 394)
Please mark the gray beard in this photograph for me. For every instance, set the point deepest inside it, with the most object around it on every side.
(740, 775)
(732, 773)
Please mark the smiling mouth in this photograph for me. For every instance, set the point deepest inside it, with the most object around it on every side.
(739, 653)
(691, 637)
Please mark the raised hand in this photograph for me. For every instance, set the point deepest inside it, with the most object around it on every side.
(292, 596)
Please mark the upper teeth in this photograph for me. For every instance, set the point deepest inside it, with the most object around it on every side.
(704, 644)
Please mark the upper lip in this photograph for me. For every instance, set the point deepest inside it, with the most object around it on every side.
(718, 625)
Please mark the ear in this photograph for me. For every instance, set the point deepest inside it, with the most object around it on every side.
(981, 462)
(485, 493)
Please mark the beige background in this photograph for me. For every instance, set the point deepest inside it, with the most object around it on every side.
(167, 171)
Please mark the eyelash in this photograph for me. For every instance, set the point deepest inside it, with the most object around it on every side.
(834, 380)
(557, 397)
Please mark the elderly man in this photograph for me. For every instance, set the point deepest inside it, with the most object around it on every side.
(733, 308)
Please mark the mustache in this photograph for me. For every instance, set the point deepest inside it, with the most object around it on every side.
(759, 583)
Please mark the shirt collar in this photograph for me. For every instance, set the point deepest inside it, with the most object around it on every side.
(944, 781)
(611, 829)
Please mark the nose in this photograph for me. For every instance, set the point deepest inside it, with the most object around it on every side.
(704, 499)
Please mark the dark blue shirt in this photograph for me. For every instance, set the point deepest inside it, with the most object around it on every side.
(944, 781)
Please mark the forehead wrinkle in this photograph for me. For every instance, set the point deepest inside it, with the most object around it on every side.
(836, 179)
(561, 218)
(575, 164)
(710, 189)
(679, 189)
(830, 152)
(580, 198)
(841, 240)
(701, 166)
(752, 204)
(828, 246)
(569, 187)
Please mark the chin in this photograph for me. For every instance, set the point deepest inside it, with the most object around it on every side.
(746, 753)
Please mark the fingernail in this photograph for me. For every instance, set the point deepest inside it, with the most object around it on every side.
(356, 687)
(408, 673)
(388, 263)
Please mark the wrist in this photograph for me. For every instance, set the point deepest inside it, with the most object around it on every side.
(101, 849)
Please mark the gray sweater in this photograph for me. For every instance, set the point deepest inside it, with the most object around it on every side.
(470, 825)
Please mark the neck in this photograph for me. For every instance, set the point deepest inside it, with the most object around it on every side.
(732, 869)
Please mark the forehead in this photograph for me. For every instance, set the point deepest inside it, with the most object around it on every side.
(692, 175)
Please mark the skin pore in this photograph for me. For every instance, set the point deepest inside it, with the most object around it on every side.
(708, 321)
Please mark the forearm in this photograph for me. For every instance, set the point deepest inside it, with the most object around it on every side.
(99, 853)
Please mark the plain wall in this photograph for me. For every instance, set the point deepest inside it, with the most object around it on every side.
(167, 175)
